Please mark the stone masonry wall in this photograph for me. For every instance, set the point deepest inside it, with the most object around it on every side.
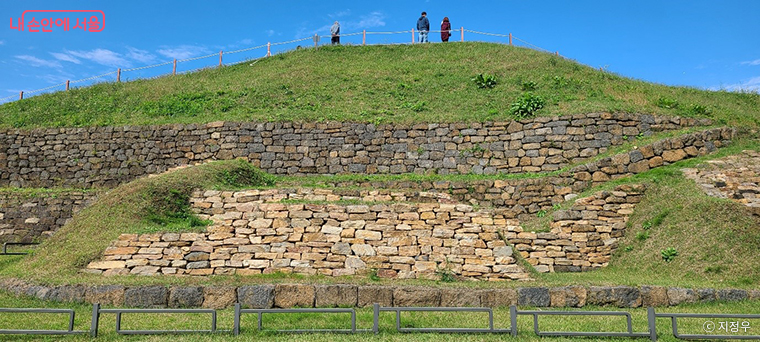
(582, 237)
(108, 156)
(254, 233)
(25, 218)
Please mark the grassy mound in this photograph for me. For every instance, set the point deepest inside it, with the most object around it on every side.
(146, 205)
(379, 84)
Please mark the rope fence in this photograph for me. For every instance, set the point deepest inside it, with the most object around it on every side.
(316, 39)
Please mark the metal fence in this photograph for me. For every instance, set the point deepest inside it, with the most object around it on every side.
(5, 247)
(378, 310)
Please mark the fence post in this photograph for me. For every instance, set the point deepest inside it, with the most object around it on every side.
(364, 37)
(556, 53)
(269, 51)
(461, 30)
(651, 322)
(510, 39)
(118, 75)
(220, 58)
(67, 85)
(376, 318)
(316, 41)
(412, 36)
(95, 318)
(174, 70)
(21, 95)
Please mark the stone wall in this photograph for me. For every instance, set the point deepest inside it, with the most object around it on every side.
(582, 237)
(107, 156)
(27, 218)
(348, 295)
(253, 233)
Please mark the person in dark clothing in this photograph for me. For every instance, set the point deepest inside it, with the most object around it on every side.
(445, 29)
(335, 32)
(423, 26)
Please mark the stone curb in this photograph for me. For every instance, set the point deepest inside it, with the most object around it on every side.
(349, 295)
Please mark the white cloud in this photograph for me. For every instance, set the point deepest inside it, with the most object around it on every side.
(755, 62)
(141, 56)
(269, 33)
(753, 84)
(339, 14)
(102, 56)
(183, 51)
(37, 62)
(64, 57)
(2, 42)
(371, 20)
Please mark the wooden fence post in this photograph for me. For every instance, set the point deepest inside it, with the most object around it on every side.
(220, 58)
(174, 70)
(510, 39)
(364, 37)
(67, 85)
(118, 75)
(412, 36)
(556, 53)
(269, 50)
(461, 30)
(21, 95)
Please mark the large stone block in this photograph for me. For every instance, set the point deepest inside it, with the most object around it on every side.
(219, 297)
(256, 296)
(654, 296)
(105, 294)
(336, 295)
(494, 298)
(369, 295)
(620, 296)
(186, 297)
(533, 296)
(146, 296)
(460, 297)
(416, 296)
(294, 295)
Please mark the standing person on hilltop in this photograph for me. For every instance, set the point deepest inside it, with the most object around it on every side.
(445, 29)
(423, 26)
(335, 32)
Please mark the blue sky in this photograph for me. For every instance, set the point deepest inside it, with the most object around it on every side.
(703, 44)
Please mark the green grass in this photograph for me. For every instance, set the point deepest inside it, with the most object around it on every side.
(364, 321)
(377, 84)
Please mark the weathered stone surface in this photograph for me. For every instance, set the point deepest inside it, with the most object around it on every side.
(533, 296)
(620, 296)
(460, 297)
(731, 294)
(146, 296)
(571, 296)
(336, 295)
(105, 294)
(66, 293)
(294, 295)
(416, 296)
(186, 297)
(654, 296)
(256, 296)
(220, 297)
(494, 298)
(677, 295)
(369, 295)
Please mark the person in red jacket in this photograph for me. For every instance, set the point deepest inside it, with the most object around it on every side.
(445, 29)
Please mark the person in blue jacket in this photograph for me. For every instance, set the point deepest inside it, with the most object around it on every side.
(423, 26)
(335, 33)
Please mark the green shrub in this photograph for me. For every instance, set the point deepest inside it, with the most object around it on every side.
(696, 109)
(669, 254)
(485, 81)
(529, 86)
(526, 106)
(244, 174)
(667, 103)
(641, 236)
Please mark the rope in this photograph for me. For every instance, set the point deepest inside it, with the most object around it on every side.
(487, 34)
(292, 41)
(531, 45)
(8, 98)
(392, 32)
(246, 49)
(196, 58)
(93, 77)
(43, 89)
(147, 66)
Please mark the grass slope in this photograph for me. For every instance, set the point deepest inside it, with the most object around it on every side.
(399, 83)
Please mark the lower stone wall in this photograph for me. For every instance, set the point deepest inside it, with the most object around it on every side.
(348, 295)
(253, 233)
(583, 237)
(27, 218)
